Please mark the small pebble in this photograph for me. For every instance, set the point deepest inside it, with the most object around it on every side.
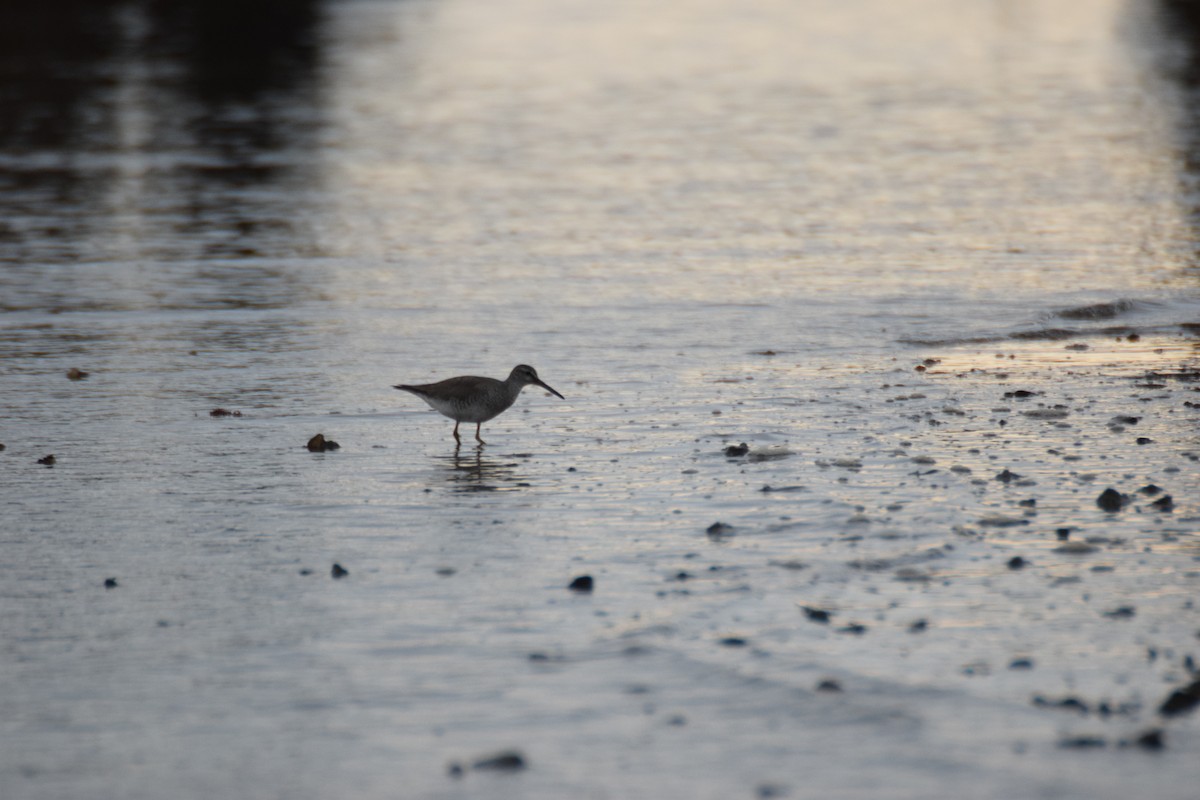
(508, 761)
(1181, 701)
(319, 444)
(816, 614)
(1110, 500)
(735, 450)
(829, 685)
(76, 374)
(1016, 562)
(110, 583)
(338, 571)
(1164, 503)
(48, 461)
(583, 583)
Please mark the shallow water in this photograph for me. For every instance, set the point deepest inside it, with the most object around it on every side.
(841, 233)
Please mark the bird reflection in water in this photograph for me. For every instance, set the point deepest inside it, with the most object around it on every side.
(472, 472)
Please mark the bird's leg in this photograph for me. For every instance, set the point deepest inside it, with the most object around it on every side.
(477, 426)
(457, 438)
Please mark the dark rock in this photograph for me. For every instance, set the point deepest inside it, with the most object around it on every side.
(319, 444)
(1164, 503)
(1151, 740)
(737, 450)
(719, 530)
(1063, 534)
(1065, 704)
(854, 628)
(48, 461)
(1124, 612)
(507, 761)
(110, 583)
(816, 614)
(1144, 440)
(829, 685)
(918, 626)
(1082, 742)
(732, 641)
(1021, 663)
(305, 571)
(224, 412)
(1150, 490)
(1021, 394)
(76, 374)
(455, 770)
(582, 583)
(338, 571)
(1110, 500)
(1181, 701)
(1030, 503)
(1007, 477)
(1016, 562)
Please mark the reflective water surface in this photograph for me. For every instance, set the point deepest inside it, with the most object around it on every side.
(933, 262)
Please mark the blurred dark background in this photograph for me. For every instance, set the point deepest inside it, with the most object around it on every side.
(131, 118)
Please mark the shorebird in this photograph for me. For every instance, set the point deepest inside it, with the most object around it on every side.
(468, 398)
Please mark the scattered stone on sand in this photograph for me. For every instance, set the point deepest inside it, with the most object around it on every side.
(768, 488)
(1182, 700)
(1111, 500)
(224, 412)
(732, 641)
(1150, 490)
(1076, 548)
(48, 461)
(1149, 740)
(1057, 412)
(737, 450)
(306, 571)
(1007, 477)
(1164, 503)
(1064, 704)
(918, 626)
(1123, 612)
(319, 444)
(1082, 742)
(829, 685)
(505, 761)
(1021, 663)
(719, 530)
(338, 571)
(445, 572)
(854, 628)
(1016, 562)
(582, 584)
(1021, 394)
(76, 374)
(1, 446)
(110, 583)
(1001, 521)
(1062, 533)
(816, 614)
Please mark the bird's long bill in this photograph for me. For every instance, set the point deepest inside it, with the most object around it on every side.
(546, 386)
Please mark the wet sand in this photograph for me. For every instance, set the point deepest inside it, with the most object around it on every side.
(875, 474)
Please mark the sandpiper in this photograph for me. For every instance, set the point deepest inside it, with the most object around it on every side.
(468, 398)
